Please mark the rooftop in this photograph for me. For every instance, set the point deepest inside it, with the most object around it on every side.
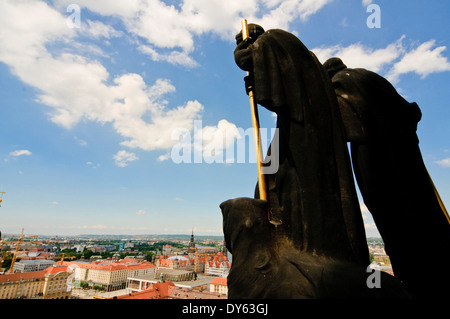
(56, 269)
(157, 290)
(219, 281)
(22, 276)
(35, 261)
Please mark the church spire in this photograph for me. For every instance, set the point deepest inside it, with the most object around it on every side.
(191, 249)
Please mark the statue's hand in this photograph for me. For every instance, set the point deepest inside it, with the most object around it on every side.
(243, 55)
(246, 219)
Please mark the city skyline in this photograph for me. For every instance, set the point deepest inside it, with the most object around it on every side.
(95, 97)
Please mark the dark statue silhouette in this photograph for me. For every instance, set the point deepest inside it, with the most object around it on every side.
(315, 244)
(392, 177)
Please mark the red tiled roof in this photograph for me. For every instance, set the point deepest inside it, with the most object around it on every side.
(127, 260)
(219, 281)
(107, 266)
(140, 266)
(146, 294)
(23, 275)
(55, 270)
(94, 266)
(157, 290)
(218, 264)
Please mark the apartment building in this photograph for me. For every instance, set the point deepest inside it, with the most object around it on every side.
(58, 283)
(144, 269)
(52, 283)
(219, 285)
(22, 285)
(218, 265)
(111, 276)
(32, 265)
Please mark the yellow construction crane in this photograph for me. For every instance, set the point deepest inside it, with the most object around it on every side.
(197, 254)
(1, 197)
(22, 235)
(63, 257)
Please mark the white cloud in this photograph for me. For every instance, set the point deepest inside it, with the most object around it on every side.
(366, 2)
(164, 157)
(91, 164)
(122, 158)
(16, 154)
(282, 13)
(98, 29)
(369, 224)
(371, 230)
(141, 212)
(393, 60)
(364, 208)
(360, 56)
(173, 57)
(423, 60)
(217, 139)
(175, 26)
(80, 141)
(77, 88)
(444, 162)
(210, 144)
(98, 226)
(122, 8)
(20, 153)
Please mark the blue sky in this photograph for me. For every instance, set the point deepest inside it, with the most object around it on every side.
(90, 111)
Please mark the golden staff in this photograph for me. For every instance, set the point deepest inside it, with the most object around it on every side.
(255, 122)
(441, 203)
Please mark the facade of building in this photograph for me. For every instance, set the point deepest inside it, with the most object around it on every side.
(176, 262)
(167, 250)
(219, 285)
(175, 275)
(58, 283)
(22, 285)
(207, 262)
(144, 269)
(52, 283)
(111, 276)
(140, 283)
(157, 290)
(32, 265)
(218, 266)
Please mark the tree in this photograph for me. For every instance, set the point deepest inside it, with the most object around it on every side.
(88, 254)
(84, 285)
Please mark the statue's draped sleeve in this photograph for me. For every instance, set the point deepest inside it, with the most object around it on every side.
(276, 84)
(312, 194)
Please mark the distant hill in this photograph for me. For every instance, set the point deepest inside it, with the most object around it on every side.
(168, 237)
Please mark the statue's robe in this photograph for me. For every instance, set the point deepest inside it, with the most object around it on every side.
(393, 180)
(313, 193)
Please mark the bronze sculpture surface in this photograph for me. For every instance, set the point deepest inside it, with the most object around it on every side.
(394, 182)
(313, 244)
